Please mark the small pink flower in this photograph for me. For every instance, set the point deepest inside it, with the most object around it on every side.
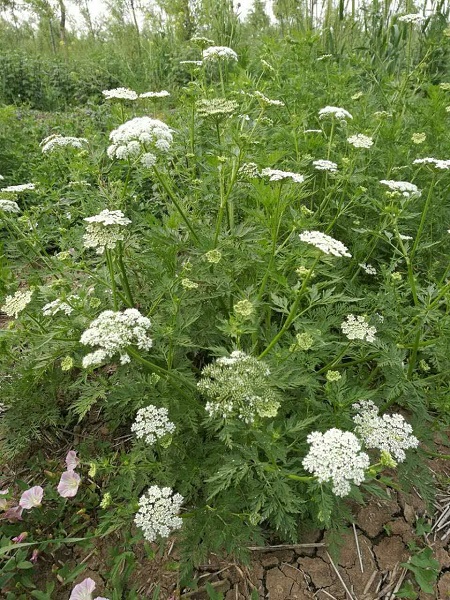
(83, 590)
(68, 484)
(4, 492)
(32, 497)
(72, 461)
(13, 514)
(34, 556)
(19, 538)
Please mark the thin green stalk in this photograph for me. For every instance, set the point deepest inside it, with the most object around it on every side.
(415, 350)
(331, 364)
(172, 196)
(124, 277)
(292, 314)
(110, 265)
(222, 85)
(423, 217)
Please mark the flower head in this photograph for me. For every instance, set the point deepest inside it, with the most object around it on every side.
(334, 111)
(16, 304)
(360, 141)
(152, 424)
(158, 510)
(56, 141)
(68, 484)
(238, 386)
(325, 165)
(113, 332)
(369, 269)
(388, 433)
(53, 308)
(16, 189)
(139, 135)
(161, 94)
(72, 460)
(335, 456)
(324, 242)
(437, 163)
(264, 100)
(32, 497)
(9, 206)
(414, 18)
(357, 328)
(217, 53)
(84, 590)
(277, 175)
(216, 107)
(105, 230)
(403, 188)
(120, 93)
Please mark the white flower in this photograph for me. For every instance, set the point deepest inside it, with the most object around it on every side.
(9, 206)
(194, 63)
(55, 141)
(405, 238)
(139, 135)
(152, 423)
(313, 131)
(216, 107)
(369, 269)
(414, 18)
(216, 53)
(265, 100)
(16, 189)
(238, 386)
(388, 433)
(120, 93)
(105, 230)
(52, 308)
(357, 328)
(335, 456)
(15, 304)
(325, 165)
(324, 242)
(148, 160)
(360, 141)
(161, 94)
(158, 510)
(406, 189)
(324, 57)
(443, 165)
(277, 175)
(113, 332)
(334, 111)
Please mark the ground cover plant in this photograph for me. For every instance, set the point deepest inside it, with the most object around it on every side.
(225, 308)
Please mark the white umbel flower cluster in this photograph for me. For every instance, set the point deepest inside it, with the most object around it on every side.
(357, 328)
(238, 386)
(334, 112)
(360, 141)
(368, 268)
(16, 189)
(139, 135)
(277, 175)
(120, 93)
(325, 165)
(217, 53)
(157, 514)
(9, 206)
(113, 332)
(414, 18)
(216, 107)
(53, 308)
(388, 433)
(105, 230)
(336, 456)
(56, 141)
(437, 163)
(325, 242)
(265, 100)
(16, 304)
(161, 94)
(152, 423)
(406, 189)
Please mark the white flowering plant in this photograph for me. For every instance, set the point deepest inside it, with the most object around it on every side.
(237, 303)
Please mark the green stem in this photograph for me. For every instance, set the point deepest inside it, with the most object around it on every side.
(172, 196)
(292, 314)
(124, 277)
(334, 361)
(109, 262)
(423, 218)
(415, 349)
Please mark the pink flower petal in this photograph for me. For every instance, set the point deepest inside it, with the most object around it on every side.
(68, 484)
(83, 590)
(32, 497)
(4, 492)
(72, 461)
(13, 514)
(19, 538)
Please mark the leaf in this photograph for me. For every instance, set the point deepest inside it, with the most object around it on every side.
(25, 564)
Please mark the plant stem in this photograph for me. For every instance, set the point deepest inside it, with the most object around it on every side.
(110, 264)
(124, 277)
